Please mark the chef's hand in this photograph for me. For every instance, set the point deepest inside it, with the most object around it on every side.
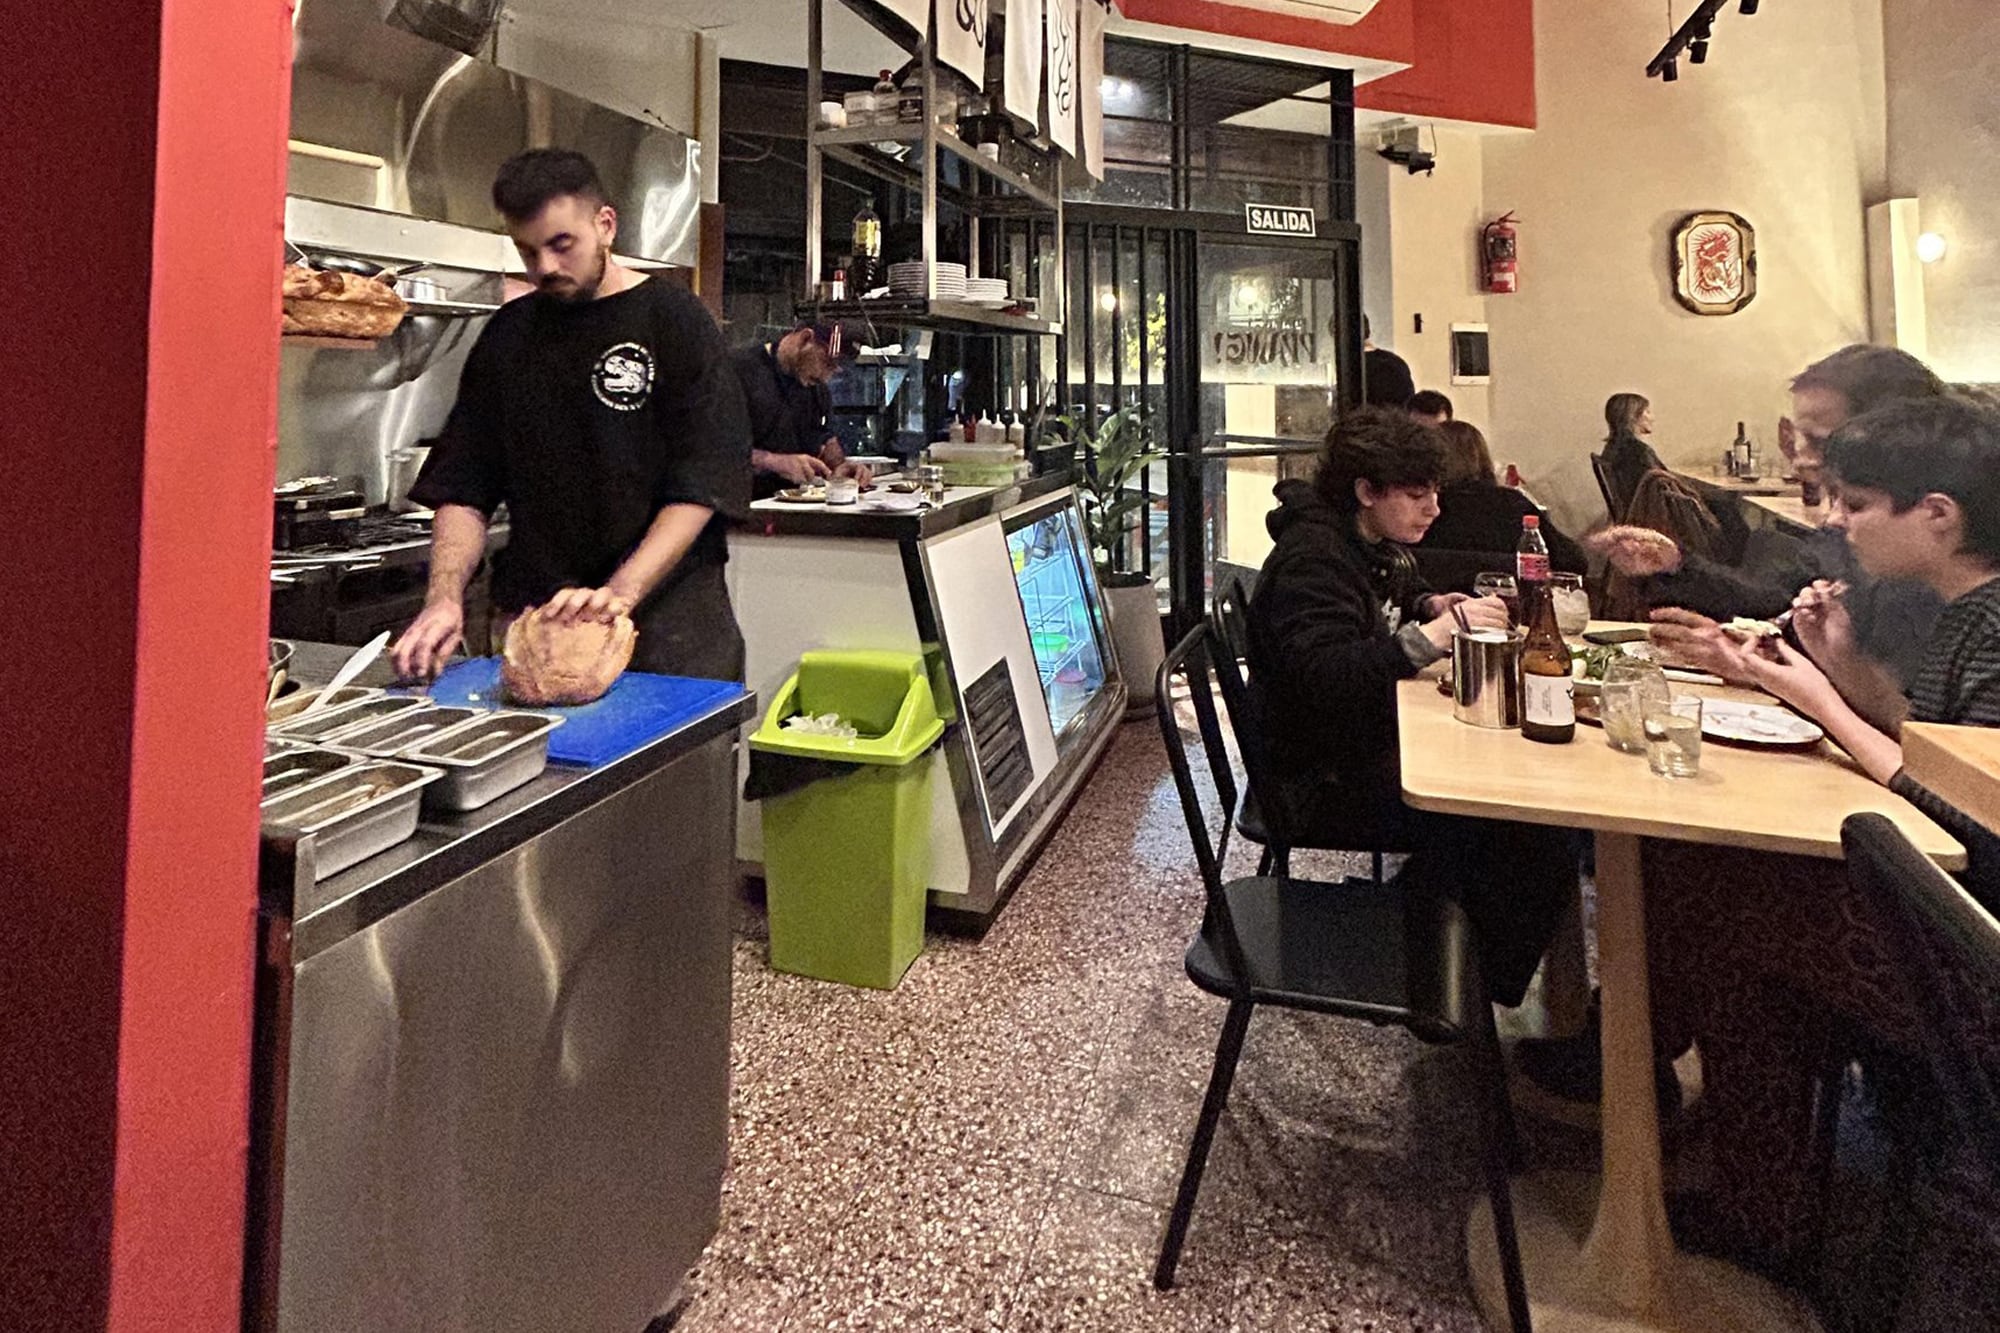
(1694, 640)
(1636, 552)
(1820, 619)
(573, 604)
(1479, 613)
(861, 472)
(798, 469)
(429, 642)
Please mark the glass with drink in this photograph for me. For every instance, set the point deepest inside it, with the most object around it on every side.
(1572, 604)
(1632, 688)
(1673, 737)
(1496, 584)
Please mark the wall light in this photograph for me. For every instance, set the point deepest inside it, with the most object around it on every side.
(1930, 247)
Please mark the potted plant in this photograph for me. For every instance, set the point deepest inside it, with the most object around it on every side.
(1112, 458)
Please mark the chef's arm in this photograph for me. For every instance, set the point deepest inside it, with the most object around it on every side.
(673, 531)
(458, 544)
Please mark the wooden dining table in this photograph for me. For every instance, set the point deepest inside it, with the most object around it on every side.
(1960, 764)
(1742, 485)
(1789, 510)
(1597, 1251)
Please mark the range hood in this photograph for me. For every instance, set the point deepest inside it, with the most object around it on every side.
(388, 121)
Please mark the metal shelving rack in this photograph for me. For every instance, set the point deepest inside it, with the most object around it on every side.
(1009, 192)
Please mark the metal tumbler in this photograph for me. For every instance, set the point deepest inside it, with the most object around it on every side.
(1486, 677)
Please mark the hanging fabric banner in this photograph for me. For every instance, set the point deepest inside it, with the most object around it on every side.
(1060, 24)
(961, 37)
(1022, 83)
(1090, 87)
(916, 13)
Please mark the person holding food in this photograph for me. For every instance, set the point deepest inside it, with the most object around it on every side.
(1891, 619)
(602, 411)
(785, 389)
(1762, 958)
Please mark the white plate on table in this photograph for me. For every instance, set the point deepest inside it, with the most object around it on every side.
(1757, 724)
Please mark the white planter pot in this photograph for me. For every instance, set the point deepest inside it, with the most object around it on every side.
(1137, 638)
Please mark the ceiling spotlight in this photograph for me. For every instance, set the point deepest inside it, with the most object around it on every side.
(1930, 247)
(1670, 71)
(1698, 51)
(1747, 7)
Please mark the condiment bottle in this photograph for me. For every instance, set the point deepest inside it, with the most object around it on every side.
(1548, 690)
(1531, 557)
(910, 102)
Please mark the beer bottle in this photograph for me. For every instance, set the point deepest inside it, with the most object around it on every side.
(1548, 691)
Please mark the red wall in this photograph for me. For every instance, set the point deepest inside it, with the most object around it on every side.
(1475, 60)
(144, 165)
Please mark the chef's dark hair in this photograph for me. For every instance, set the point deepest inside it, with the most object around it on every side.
(528, 181)
(1382, 446)
(1934, 446)
(1870, 377)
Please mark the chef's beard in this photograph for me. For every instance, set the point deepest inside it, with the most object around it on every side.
(565, 289)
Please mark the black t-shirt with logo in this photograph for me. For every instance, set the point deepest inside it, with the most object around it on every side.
(586, 420)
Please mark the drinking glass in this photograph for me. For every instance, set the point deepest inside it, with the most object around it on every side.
(1497, 584)
(1572, 604)
(1673, 738)
(1632, 687)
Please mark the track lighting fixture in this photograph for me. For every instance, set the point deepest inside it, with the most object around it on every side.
(1747, 7)
(1670, 71)
(1698, 51)
(1691, 38)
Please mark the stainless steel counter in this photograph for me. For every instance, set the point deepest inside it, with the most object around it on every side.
(492, 1064)
(962, 505)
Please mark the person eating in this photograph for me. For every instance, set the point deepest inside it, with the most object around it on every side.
(1891, 619)
(785, 389)
(1338, 616)
(601, 410)
(1763, 959)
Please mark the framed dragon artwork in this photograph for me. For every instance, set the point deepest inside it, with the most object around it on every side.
(1715, 263)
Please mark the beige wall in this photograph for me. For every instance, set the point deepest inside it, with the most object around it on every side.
(1433, 223)
(1944, 151)
(1784, 125)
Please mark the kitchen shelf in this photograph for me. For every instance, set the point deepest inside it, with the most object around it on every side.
(945, 316)
(453, 309)
(854, 146)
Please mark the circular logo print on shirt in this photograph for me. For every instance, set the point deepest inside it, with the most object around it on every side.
(623, 377)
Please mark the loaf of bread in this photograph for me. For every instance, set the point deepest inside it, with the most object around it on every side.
(548, 663)
(340, 305)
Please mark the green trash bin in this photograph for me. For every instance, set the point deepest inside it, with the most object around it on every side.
(847, 857)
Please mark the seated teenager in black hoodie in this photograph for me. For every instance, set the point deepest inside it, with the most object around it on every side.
(1339, 616)
(1477, 513)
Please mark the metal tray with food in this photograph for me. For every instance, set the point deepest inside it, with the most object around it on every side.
(291, 705)
(354, 813)
(328, 723)
(296, 768)
(485, 758)
(387, 739)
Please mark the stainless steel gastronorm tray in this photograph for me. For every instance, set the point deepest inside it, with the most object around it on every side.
(485, 757)
(293, 704)
(385, 739)
(288, 772)
(354, 813)
(327, 723)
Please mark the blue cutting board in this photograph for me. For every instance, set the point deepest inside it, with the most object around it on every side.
(638, 709)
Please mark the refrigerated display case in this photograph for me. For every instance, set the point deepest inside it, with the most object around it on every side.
(1065, 622)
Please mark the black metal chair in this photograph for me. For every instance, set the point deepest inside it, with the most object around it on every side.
(1614, 508)
(1260, 820)
(1352, 950)
(1945, 948)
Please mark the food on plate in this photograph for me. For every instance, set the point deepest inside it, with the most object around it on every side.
(1747, 627)
(547, 662)
(340, 305)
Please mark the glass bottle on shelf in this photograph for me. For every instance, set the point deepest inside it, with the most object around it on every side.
(886, 99)
(867, 258)
(910, 101)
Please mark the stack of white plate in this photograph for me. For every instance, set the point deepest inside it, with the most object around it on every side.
(986, 291)
(908, 280)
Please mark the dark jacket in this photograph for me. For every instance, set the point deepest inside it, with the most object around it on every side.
(1483, 516)
(1324, 660)
(1626, 459)
(786, 415)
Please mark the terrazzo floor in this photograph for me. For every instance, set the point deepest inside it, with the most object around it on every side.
(994, 1144)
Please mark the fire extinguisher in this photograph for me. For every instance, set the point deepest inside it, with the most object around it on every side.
(1499, 261)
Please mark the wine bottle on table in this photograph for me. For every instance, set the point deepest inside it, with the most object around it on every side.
(1548, 691)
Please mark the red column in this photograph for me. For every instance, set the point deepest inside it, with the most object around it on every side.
(144, 162)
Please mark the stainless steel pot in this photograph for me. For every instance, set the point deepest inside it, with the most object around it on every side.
(405, 463)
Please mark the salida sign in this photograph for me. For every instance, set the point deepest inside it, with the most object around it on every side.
(1279, 220)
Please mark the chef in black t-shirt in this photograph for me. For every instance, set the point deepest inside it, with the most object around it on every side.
(784, 387)
(602, 410)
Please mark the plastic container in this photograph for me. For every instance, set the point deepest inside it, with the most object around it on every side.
(847, 857)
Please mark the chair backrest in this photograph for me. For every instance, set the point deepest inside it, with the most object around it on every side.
(1229, 645)
(1190, 658)
(1232, 620)
(1946, 949)
(1613, 506)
